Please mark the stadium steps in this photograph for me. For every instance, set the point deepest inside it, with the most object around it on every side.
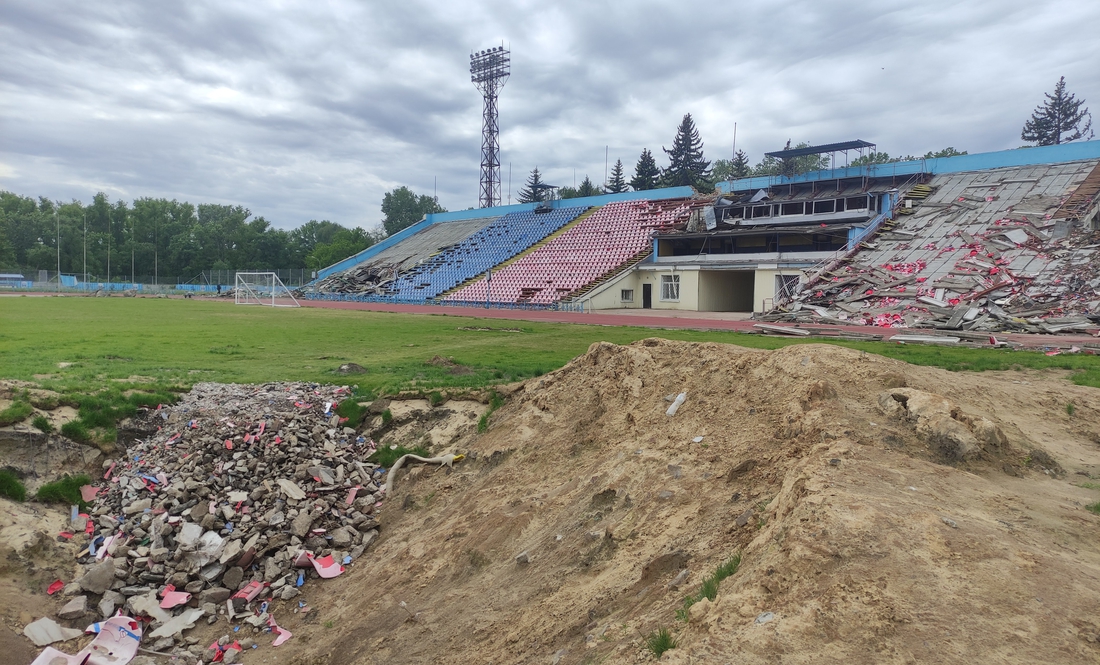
(610, 274)
(581, 217)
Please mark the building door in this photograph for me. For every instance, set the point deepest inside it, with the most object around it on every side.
(647, 296)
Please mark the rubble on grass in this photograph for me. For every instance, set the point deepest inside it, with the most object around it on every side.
(243, 494)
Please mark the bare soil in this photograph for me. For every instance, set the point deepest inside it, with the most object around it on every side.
(885, 513)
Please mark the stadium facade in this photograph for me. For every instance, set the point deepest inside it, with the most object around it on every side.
(747, 247)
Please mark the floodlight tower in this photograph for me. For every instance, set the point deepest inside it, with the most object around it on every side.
(489, 71)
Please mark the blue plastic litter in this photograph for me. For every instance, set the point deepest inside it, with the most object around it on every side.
(347, 560)
(301, 578)
(236, 628)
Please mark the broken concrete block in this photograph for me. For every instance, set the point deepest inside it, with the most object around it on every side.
(75, 608)
(47, 631)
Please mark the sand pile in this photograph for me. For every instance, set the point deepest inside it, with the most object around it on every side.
(884, 513)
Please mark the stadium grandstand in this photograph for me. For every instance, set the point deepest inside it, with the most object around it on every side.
(747, 247)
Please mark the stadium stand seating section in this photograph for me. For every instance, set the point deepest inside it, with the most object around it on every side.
(486, 248)
(429, 242)
(596, 245)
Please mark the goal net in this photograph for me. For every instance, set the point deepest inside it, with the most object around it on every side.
(263, 288)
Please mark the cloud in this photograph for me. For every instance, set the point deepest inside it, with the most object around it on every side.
(313, 110)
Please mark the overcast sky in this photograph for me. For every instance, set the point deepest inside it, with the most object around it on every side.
(314, 109)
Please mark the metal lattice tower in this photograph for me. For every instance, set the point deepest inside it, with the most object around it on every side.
(489, 71)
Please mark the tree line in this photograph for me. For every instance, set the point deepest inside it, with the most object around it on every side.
(165, 238)
(1060, 119)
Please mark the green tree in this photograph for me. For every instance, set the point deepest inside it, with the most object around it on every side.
(873, 157)
(534, 190)
(770, 166)
(588, 188)
(645, 172)
(1060, 119)
(402, 208)
(731, 169)
(344, 243)
(617, 183)
(946, 152)
(686, 163)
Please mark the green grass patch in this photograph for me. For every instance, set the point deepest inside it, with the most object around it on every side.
(11, 486)
(495, 402)
(76, 431)
(158, 347)
(351, 410)
(385, 457)
(709, 588)
(65, 490)
(1094, 508)
(16, 413)
(1089, 486)
(1070, 408)
(42, 423)
(660, 641)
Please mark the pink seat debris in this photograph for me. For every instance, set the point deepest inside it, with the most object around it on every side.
(115, 644)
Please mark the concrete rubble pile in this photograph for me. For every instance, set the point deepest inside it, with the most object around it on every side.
(360, 280)
(978, 293)
(243, 494)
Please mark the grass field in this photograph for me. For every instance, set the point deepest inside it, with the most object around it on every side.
(109, 347)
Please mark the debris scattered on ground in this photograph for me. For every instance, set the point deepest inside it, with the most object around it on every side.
(243, 494)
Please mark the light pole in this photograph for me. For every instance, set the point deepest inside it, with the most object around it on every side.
(108, 249)
(85, 250)
(132, 252)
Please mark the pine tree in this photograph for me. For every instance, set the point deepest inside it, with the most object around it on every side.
(741, 168)
(617, 184)
(588, 188)
(686, 163)
(533, 192)
(645, 172)
(1060, 114)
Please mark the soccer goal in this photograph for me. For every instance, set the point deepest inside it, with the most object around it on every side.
(263, 288)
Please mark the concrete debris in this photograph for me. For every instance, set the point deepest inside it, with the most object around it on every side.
(238, 483)
(74, 609)
(47, 631)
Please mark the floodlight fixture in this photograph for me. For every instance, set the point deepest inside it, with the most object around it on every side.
(489, 71)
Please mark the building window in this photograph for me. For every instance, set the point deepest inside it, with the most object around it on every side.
(785, 285)
(670, 287)
(626, 295)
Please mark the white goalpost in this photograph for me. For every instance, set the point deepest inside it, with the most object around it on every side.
(263, 288)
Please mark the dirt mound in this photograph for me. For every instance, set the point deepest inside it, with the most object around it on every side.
(565, 535)
(884, 513)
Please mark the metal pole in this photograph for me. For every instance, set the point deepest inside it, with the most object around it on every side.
(85, 250)
(57, 220)
(108, 249)
(131, 252)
